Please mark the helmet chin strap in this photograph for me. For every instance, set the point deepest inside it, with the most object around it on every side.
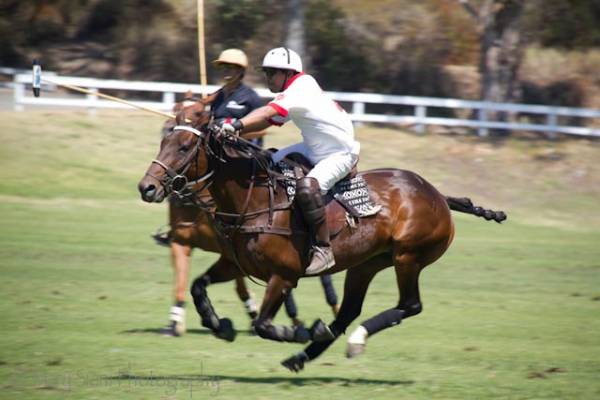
(287, 78)
(233, 83)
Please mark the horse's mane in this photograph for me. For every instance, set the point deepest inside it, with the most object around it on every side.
(229, 148)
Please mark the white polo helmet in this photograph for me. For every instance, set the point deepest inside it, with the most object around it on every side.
(232, 56)
(282, 58)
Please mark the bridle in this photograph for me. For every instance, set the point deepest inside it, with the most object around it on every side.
(175, 181)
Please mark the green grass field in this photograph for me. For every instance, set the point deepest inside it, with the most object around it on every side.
(510, 312)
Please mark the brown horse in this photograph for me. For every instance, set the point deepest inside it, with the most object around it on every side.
(267, 238)
(192, 227)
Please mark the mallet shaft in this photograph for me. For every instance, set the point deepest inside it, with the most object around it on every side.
(109, 97)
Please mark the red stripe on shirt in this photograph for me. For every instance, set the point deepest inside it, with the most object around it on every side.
(280, 110)
(292, 79)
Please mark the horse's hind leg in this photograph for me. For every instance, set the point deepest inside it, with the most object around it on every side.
(246, 297)
(291, 309)
(407, 277)
(330, 294)
(221, 271)
(357, 281)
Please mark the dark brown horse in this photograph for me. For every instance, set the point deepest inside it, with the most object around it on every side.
(267, 238)
(192, 227)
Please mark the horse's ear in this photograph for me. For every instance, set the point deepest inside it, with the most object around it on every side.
(200, 119)
(180, 117)
(177, 107)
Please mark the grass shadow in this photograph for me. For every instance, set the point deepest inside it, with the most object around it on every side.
(159, 331)
(268, 380)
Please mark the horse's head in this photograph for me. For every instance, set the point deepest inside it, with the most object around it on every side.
(179, 156)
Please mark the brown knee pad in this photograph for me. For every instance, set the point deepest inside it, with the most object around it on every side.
(308, 196)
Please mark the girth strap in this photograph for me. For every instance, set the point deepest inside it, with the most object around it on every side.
(264, 229)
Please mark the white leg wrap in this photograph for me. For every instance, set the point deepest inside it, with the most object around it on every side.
(177, 314)
(250, 305)
(359, 336)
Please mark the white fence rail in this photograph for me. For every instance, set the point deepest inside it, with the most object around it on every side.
(419, 118)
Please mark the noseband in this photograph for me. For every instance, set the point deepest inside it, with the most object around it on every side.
(176, 182)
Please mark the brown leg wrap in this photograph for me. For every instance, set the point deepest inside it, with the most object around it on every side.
(308, 196)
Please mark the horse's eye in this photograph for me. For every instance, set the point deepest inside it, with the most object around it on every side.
(184, 148)
(198, 114)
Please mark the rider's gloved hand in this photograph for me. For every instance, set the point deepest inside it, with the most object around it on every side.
(232, 126)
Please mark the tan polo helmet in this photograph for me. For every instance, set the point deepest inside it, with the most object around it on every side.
(232, 56)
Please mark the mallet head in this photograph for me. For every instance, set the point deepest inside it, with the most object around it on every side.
(37, 78)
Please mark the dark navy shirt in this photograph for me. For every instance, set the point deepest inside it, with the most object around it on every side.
(237, 105)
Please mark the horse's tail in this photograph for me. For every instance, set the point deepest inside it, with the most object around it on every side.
(465, 205)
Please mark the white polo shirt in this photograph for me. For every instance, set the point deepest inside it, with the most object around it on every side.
(325, 126)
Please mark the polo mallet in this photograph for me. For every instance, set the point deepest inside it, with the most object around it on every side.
(37, 81)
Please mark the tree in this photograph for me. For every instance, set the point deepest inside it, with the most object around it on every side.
(501, 52)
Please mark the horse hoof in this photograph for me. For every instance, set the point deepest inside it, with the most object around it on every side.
(172, 330)
(297, 322)
(226, 330)
(355, 349)
(320, 332)
(296, 362)
(179, 328)
(301, 334)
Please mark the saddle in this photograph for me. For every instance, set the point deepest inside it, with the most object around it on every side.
(345, 203)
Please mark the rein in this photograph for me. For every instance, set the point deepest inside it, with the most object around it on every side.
(257, 155)
(176, 182)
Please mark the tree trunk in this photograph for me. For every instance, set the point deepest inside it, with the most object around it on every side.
(295, 30)
(501, 54)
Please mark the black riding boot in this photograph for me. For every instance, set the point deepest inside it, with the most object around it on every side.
(308, 195)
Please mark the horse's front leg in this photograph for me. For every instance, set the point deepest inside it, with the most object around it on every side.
(221, 271)
(180, 256)
(277, 289)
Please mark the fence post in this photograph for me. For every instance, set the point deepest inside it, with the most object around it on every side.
(482, 113)
(92, 99)
(358, 108)
(18, 94)
(168, 100)
(420, 114)
(551, 121)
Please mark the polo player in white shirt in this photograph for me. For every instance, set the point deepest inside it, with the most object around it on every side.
(328, 140)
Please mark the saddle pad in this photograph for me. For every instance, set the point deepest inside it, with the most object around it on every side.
(290, 184)
(352, 194)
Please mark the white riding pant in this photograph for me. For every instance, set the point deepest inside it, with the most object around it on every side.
(327, 171)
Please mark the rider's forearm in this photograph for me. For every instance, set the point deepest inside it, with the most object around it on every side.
(258, 119)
